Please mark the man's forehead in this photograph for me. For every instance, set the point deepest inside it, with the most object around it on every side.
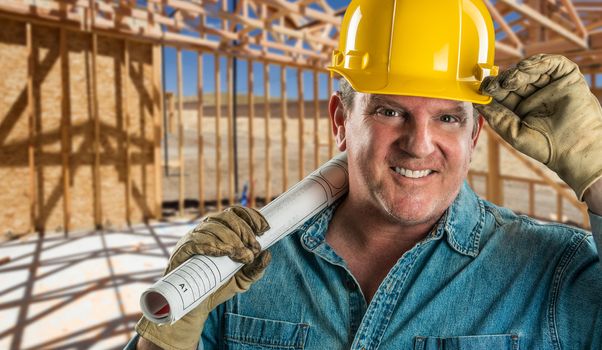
(409, 102)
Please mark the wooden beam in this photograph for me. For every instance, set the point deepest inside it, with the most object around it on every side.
(31, 146)
(229, 130)
(127, 117)
(97, 194)
(181, 161)
(218, 140)
(504, 25)
(251, 117)
(284, 118)
(301, 123)
(158, 115)
(546, 22)
(268, 135)
(201, 139)
(568, 4)
(65, 130)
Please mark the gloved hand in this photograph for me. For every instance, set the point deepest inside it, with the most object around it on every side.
(543, 107)
(232, 233)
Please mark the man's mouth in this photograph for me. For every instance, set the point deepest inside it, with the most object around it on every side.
(413, 174)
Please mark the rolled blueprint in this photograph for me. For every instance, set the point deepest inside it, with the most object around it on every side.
(184, 288)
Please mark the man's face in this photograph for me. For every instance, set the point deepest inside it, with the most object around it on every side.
(408, 156)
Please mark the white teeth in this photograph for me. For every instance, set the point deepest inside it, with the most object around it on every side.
(414, 174)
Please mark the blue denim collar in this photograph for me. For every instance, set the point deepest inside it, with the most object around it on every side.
(463, 223)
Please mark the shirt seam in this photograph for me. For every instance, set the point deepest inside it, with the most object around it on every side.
(559, 274)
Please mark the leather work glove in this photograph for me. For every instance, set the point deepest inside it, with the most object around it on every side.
(231, 232)
(543, 107)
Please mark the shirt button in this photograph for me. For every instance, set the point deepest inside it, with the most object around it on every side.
(350, 283)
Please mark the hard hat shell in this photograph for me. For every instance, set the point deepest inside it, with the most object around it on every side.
(431, 48)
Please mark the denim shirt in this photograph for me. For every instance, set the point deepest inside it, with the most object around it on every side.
(484, 278)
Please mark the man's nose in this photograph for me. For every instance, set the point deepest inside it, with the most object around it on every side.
(417, 139)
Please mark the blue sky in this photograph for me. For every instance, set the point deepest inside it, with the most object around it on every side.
(189, 69)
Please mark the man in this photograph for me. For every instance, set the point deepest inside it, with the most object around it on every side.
(411, 257)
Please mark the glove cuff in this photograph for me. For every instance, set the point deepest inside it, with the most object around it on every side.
(580, 190)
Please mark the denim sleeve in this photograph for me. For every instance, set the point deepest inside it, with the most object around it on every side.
(596, 223)
(575, 307)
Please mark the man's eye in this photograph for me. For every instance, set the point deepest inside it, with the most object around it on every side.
(388, 112)
(448, 118)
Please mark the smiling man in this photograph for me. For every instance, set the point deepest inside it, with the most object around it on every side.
(412, 258)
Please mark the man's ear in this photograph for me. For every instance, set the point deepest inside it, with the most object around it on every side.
(337, 118)
(477, 131)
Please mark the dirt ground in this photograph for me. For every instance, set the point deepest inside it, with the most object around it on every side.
(515, 194)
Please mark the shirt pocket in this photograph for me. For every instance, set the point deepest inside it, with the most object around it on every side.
(250, 333)
(472, 342)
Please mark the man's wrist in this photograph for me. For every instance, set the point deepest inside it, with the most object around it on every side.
(144, 344)
(593, 197)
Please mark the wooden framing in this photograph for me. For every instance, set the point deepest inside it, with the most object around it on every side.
(201, 139)
(251, 121)
(65, 130)
(284, 118)
(31, 121)
(126, 131)
(96, 143)
(268, 135)
(290, 34)
(218, 139)
(181, 162)
(301, 123)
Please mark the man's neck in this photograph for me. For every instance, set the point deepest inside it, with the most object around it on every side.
(371, 242)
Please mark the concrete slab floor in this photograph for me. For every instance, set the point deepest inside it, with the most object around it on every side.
(80, 292)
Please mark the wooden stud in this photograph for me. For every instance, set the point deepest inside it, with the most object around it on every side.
(331, 136)
(251, 104)
(229, 130)
(65, 130)
(158, 116)
(201, 141)
(31, 147)
(316, 121)
(97, 194)
(283, 104)
(126, 109)
(181, 165)
(218, 140)
(268, 136)
(301, 124)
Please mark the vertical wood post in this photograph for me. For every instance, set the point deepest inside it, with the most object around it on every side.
(33, 216)
(218, 140)
(283, 104)
(229, 129)
(65, 130)
(126, 109)
(251, 103)
(201, 140)
(268, 136)
(96, 143)
(181, 162)
(301, 124)
(157, 97)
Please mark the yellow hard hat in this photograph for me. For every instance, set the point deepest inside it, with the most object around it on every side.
(431, 48)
